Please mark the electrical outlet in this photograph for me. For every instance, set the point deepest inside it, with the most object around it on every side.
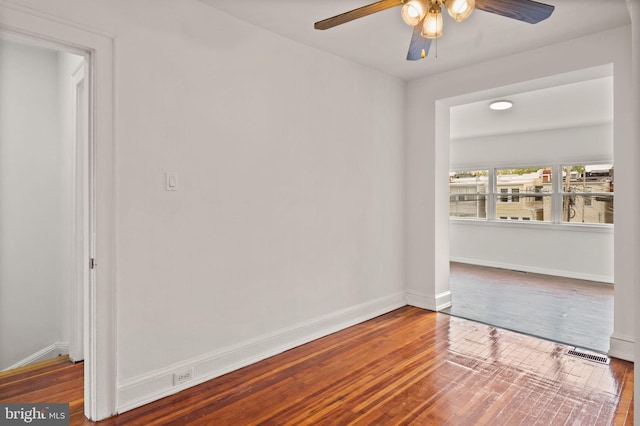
(182, 377)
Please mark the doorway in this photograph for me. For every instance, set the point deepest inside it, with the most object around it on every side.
(44, 202)
(531, 210)
(100, 370)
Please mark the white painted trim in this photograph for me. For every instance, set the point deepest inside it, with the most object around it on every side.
(432, 303)
(158, 384)
(622, 347)
(81, 208)
(593, 228)
(100, 354)
(51, 351)
(54, 19)
(535, 270)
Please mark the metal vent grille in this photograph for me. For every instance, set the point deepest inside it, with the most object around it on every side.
(591, 357)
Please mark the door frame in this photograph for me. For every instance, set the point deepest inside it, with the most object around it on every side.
(82, 219)
(100, 372)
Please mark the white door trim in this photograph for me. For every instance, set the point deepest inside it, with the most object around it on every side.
(100, 355)
(81, 211)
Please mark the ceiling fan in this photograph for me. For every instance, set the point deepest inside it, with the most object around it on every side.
(426, 16)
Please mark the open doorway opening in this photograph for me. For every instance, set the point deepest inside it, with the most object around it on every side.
(531, 211)
(42, 30)
(44, 202)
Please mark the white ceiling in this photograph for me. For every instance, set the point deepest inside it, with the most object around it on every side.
(381, 40)
(581, 103)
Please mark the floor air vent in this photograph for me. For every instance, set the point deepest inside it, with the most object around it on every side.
(590, 356)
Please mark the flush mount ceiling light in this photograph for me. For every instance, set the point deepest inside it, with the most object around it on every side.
(425, 16)
(500, 105)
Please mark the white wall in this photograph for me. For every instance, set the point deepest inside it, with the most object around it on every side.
(564, 145)
(34, 207)
(543, 249)
(585, 253)
(288, 219)
(428, 105)
(289, 205)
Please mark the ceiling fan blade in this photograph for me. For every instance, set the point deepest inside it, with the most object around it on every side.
(418, 44)
(356, 13)
(523, 10)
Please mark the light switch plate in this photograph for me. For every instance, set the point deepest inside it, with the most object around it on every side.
(172, 181)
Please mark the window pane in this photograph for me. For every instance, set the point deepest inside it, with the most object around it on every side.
(525, 207)
(467, 194)
(588, 193)
(587, 178)
(533, 179)
(468, 206)
(514, 187)
(473, 180)
(587, 208)
(541, 174)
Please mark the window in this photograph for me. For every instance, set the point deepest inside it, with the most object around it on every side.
(505, 198)
(468, 192)
(515, 185)
(538, 188)
(547, 193)
(587, 193)
(515, 198)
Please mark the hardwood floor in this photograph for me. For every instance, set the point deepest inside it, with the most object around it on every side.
(407, 367)
(57, 380)
(565, 310)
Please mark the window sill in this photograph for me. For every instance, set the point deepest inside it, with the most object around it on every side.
(577, 227)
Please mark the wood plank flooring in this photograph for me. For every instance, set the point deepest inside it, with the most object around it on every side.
(565, 310)
(407, 367)
(57, 380)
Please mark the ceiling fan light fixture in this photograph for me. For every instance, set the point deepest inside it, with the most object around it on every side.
(500, 105)
(460, 9)
(425, 16)
(432, 27)
(413, 12)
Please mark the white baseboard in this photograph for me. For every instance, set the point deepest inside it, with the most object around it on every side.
(622, 347)
(536, 270)
(432, 303)
(158, 384)
(51, 351)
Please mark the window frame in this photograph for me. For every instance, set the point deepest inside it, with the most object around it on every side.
(493, 172)
(585, 193)
(476, 196)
